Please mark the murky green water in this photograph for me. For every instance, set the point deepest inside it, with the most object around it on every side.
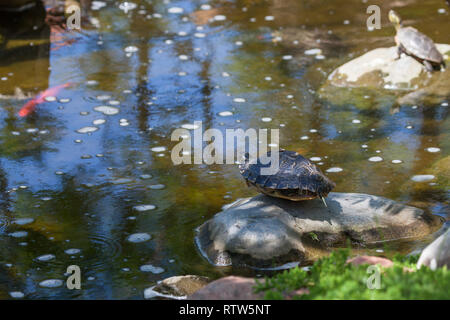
(162, 70)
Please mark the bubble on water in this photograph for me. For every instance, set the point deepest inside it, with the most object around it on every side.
(375, 159)
(269, 18)
(320, 57)
(312, 52)
(239, 100)
(304, 138)
(97, 5)
(107, 110)
(190, 126)
(364, 146)
(127, 6)
(32, 130)
(19, 234)
(46, 257)
(23, 221)
(397, 161)
(145, 176)
(98, 121)
(205, 7)
(183, 57)
(182, 33)
(220, 17)
(268, 78)
(334, 169)
(313, 130)
(87, 130)
(239, 43)
(51, 283)
(199, 35)
(157, 186)
(103, 97)
(16, 294)
(444, 104)
(144, 207)
(151, 268)
(315, 159)
(356, 121)
(114, 102)
(64, 100)
(175, 10)
(225, 74)
(50, 99)
(225, 113)
(159, 149)
(138, 237)
(86, 156)
(433, 149)
(422, 177)
(266, 119)
(441, 10)
(72, 251)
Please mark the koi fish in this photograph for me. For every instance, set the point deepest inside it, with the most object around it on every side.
(40, 98)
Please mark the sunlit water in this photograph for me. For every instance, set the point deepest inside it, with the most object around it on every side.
(90, 176)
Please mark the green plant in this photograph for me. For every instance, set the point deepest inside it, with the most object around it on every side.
(333, 278)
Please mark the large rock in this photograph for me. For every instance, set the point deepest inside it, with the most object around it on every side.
(266, 232)
(228, 288)
(436, 254)
(178, 287)
(381, 68)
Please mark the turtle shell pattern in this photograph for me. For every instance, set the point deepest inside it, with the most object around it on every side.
(297, 178)
(418, 45)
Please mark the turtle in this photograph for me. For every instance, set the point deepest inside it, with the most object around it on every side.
(415, 44)
(296, 178)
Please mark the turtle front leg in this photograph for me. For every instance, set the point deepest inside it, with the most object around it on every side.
(428, 65)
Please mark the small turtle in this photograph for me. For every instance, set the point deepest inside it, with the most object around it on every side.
(415, 44)
(296, 179)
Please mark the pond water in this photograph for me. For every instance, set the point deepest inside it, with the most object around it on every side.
(109, 199)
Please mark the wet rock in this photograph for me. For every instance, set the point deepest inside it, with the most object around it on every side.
(377, 79)
(228, 288)
(436, 254)
(379, 67)
(264, 231)
(180, 286)
(370, 260)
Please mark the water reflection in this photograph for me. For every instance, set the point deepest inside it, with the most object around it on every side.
(158, 69)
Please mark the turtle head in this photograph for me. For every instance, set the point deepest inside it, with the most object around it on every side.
(395, 19)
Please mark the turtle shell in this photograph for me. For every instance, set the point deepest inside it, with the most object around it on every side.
(418, 45)
(296, 179)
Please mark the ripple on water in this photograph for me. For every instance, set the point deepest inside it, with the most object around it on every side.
(46, 257)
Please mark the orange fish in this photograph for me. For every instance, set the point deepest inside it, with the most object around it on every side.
(31, 105)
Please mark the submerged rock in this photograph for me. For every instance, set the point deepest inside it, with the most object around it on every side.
(181, 286)
(436, 254)
(264, 231)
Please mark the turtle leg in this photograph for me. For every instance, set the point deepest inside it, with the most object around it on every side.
(399, 52)
(428, 65)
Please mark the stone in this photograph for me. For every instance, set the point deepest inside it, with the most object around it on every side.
(372, 260)
(380, 67)
(180, 286)
(264, 232)
(436, 254)
(228, 288)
